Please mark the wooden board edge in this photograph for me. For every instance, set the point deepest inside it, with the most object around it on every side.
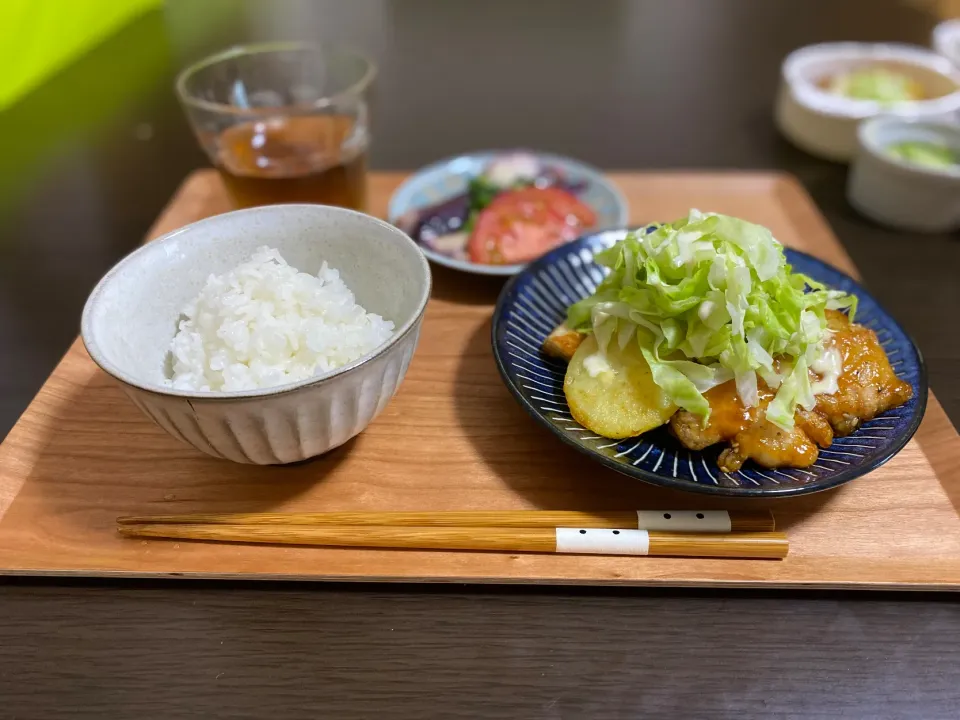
(195, 187)
(939, 442)
(19, 449)
(799, 585)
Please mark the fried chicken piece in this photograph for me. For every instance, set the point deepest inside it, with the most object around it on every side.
(867, 386)
(686, 427)
(815, 426)
(770, 446)
(562, 343)
(751, 436)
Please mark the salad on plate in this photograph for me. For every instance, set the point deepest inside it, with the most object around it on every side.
(515, 210)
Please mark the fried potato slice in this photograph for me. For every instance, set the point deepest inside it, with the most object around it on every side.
(562, 343)
(619, 402)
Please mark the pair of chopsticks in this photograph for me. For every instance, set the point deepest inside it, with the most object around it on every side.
(677, 533)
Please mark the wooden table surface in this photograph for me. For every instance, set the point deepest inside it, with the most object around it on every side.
(686, 83)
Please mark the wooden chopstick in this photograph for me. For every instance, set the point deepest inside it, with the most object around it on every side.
(601, 541)
(666, 520)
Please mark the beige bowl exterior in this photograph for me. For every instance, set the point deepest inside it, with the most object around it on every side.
(288, 427)
(131, 317)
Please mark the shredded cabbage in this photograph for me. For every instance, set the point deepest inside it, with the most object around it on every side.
(709, 299)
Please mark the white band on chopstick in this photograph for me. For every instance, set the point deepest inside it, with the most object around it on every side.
(602, 541)
(714, 521)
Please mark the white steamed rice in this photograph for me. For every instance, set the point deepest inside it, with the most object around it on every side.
(265, 324)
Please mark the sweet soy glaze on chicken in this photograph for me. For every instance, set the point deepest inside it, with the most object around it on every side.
(866, 387)
(703, 324)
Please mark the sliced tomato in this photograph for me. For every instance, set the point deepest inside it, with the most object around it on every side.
(520, 225)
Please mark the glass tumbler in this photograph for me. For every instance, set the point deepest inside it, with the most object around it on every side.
(283, 122)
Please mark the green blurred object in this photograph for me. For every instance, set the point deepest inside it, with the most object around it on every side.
(88, 93)
(877, 83)
(40, 37)
(925, 154)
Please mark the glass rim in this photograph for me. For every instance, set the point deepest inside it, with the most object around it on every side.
(355, 88)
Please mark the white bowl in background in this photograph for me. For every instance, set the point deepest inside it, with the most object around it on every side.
(825, 124)
(946, 40)
(132, 315)
(898, 193)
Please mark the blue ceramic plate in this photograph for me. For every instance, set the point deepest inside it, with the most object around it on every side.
(536, 301)
(450, 177)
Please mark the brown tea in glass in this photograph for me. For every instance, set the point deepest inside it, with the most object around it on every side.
(310, 159)
(283, 122)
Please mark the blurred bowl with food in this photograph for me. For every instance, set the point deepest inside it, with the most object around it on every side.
(946, 40)
(493, 212)
(265, 336)
(907, 174)
(826, 90)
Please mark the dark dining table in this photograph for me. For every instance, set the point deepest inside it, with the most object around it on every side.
(91, 156)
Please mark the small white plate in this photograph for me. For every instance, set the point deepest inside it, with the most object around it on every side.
(946, 40)
(450, 177)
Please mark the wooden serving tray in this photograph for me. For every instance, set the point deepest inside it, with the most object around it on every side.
(453, 438)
